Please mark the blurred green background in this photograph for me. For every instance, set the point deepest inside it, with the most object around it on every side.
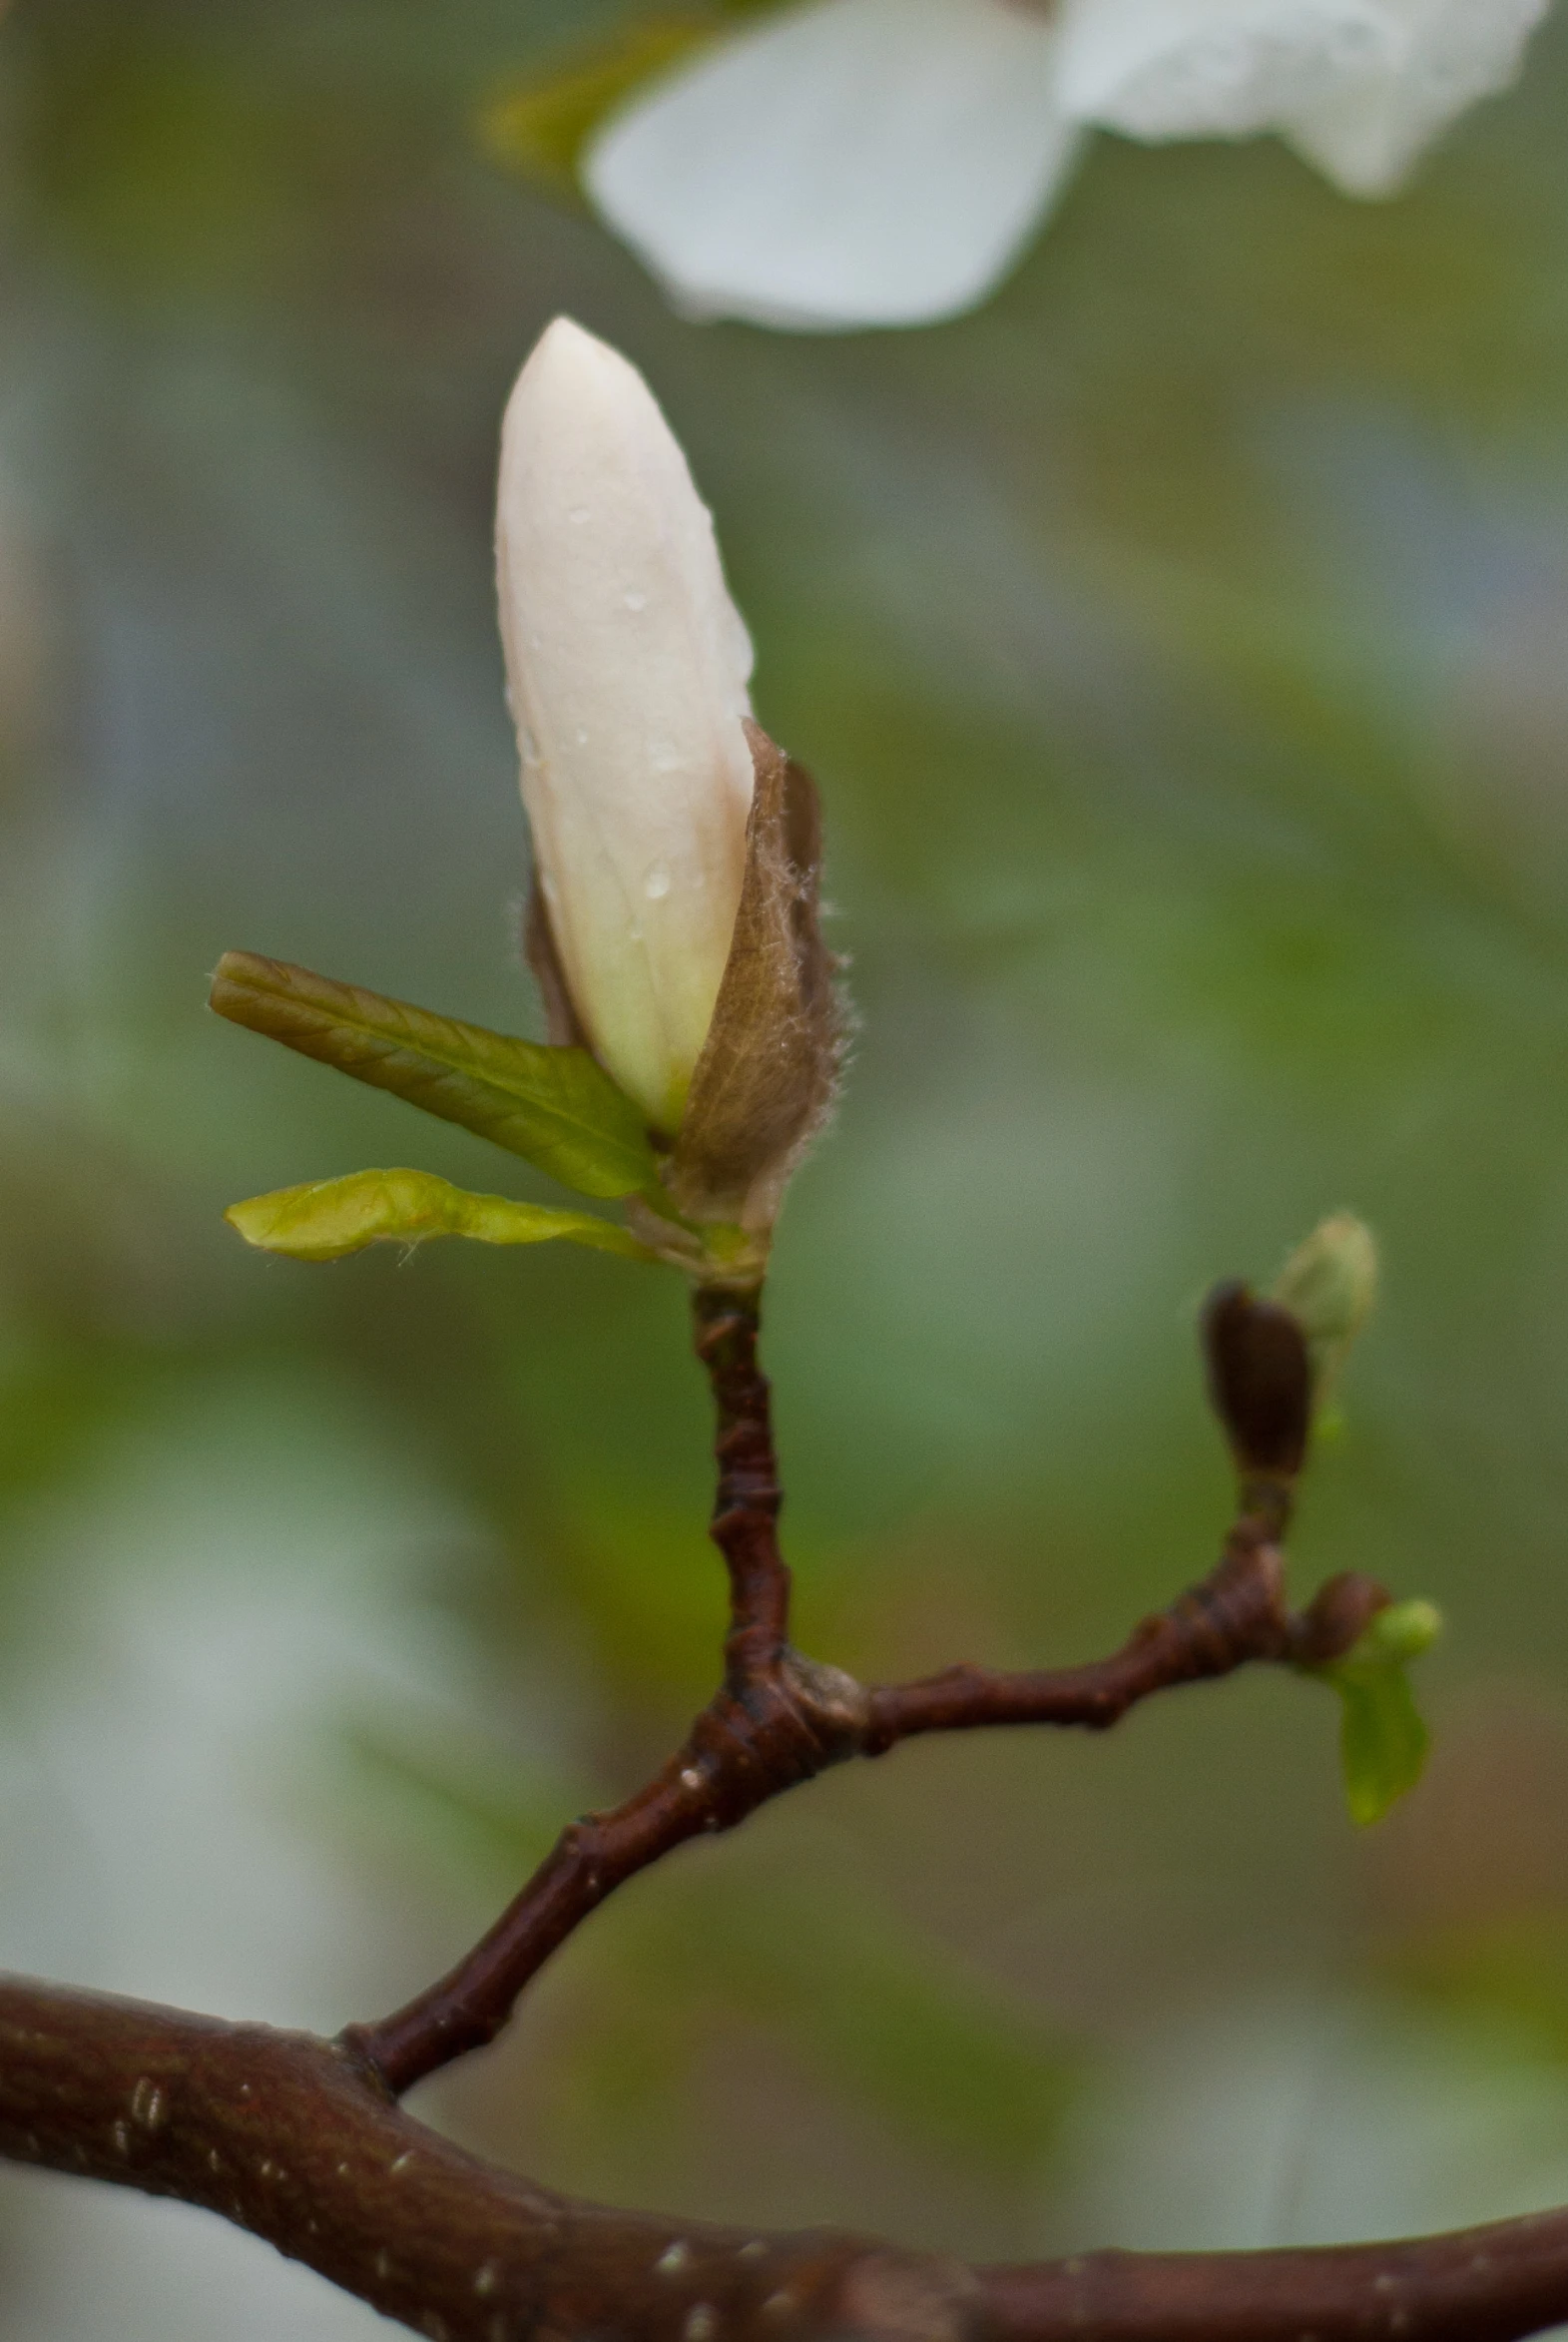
(1182, 646)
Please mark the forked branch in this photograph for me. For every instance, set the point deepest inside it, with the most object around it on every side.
(778, 1719)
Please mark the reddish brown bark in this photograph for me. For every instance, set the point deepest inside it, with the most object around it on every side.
(291, 2139)
(778, 1719)
(1488, 2284)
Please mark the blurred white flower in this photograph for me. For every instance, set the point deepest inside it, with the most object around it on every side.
(193, 1630)
(883, 161)
(1318, 2119)
(628, 666)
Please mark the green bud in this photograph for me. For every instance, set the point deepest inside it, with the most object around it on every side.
(1405, 1630)
(1328, 1285)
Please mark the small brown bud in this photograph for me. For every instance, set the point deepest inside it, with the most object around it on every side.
(1338, 1616)
(1259, 1379)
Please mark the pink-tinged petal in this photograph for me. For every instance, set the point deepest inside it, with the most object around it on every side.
(851, 163)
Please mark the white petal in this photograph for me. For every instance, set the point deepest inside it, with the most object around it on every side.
(1367, 134)
(851, 163)
(627, 664)
(1164, 69)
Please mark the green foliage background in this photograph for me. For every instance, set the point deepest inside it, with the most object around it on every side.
(1180, 647)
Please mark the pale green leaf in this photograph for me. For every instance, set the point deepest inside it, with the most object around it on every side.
(557, 1108)
(1382, 1740)
(327, 1217)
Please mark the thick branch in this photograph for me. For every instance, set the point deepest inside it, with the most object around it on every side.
(1491, 2284)
(290, 2137)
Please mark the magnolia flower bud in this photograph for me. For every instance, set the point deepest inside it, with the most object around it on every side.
(627, 666)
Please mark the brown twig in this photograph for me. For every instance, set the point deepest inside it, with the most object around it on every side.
(774, 1720)
(748, 1498)
(778, 1719)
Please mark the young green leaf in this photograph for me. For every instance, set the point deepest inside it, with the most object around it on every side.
(557, 1108)
(1382, 1740)
(327, 1217)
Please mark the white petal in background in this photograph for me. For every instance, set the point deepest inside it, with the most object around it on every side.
(1360, 86)
(1165, 69)
(1367, 134)
(853, 163)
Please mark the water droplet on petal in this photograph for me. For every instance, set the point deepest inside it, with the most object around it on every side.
(656, 883)
(636, 601)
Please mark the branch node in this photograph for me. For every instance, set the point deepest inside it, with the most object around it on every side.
(1335, 1618)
